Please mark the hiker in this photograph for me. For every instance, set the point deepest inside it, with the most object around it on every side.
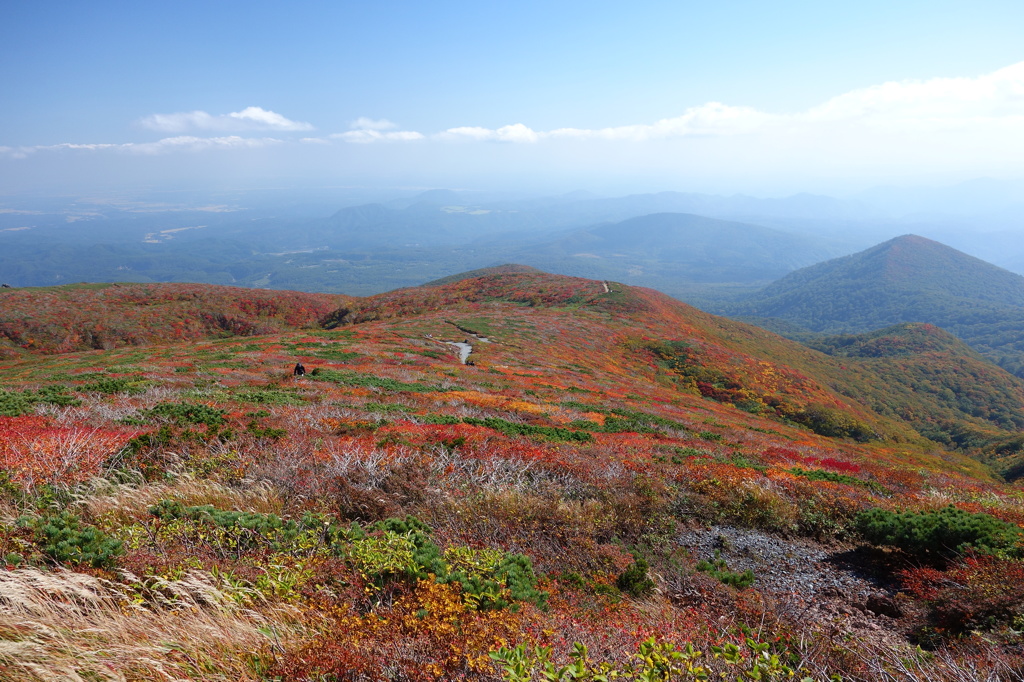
(299, 370)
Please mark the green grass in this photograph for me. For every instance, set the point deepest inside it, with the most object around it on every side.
(347, 378)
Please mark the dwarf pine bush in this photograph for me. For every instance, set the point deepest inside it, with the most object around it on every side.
(940, 534)
(238, 532)
(65, 540)
(718, 569)
(187, 413)
(385, 552)
(634, 581)
(552, 433)
(506, 581)
(16, 403)
(113, 385)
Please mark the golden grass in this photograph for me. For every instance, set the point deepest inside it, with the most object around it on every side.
(126, 503)
(62, 625)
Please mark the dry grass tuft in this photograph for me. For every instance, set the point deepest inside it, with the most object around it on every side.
(125, 503)
(69, 626)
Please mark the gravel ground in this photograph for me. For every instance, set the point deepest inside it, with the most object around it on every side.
(816, 584)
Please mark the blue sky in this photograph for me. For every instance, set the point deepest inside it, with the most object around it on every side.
(732, 96)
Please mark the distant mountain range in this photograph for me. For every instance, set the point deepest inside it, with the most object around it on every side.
(668, 248)
(370, 248)
(907, 279)
(701, 248)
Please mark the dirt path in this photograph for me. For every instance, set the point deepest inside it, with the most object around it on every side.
(465, 347)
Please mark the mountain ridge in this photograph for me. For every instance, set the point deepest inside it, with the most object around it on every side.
(714, 357)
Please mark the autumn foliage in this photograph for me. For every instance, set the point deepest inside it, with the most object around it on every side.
(397, 515)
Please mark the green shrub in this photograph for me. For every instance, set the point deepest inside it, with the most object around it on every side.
(439, 419)
(498, 586)
(552, 433)
(653, 661)
(238, 532)
(823, 475)
(718, 569)
(427, 558)
(112, 385)
(62, 537)
(254, 428)
(347, 378)
(826, 421)
(941, 534)
(335, 355)
(384, 557)
(162, 436)
(16, 403)
(634, 581)
(386, 552)
(188, 413)
(269, 396)
(623, 421)
(516, 571)
(13, 403)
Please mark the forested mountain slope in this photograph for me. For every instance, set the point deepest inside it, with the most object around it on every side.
(907, 279)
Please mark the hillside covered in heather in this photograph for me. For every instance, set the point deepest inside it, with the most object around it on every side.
(615, 480)
(92, 316)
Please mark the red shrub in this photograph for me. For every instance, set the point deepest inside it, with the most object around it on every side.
(982, 592)
(35, 452)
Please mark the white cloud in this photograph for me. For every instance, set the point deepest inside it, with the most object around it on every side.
(367, 136)
(250, 118)
(713, 118)
(176, 123)
(186, 143)
(87, 147)
(25, 152)
(517, 132)
(268, 120)
(195, 144)
(367, 130)
(404, 135)
(467, 133)
(938, 102)
(897, 129)
(710, 119)
(913, 106)
(363, 123)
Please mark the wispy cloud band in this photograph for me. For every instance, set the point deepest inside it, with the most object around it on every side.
(250, 118)
(185, 143)
(940, 103)
(988, 105)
